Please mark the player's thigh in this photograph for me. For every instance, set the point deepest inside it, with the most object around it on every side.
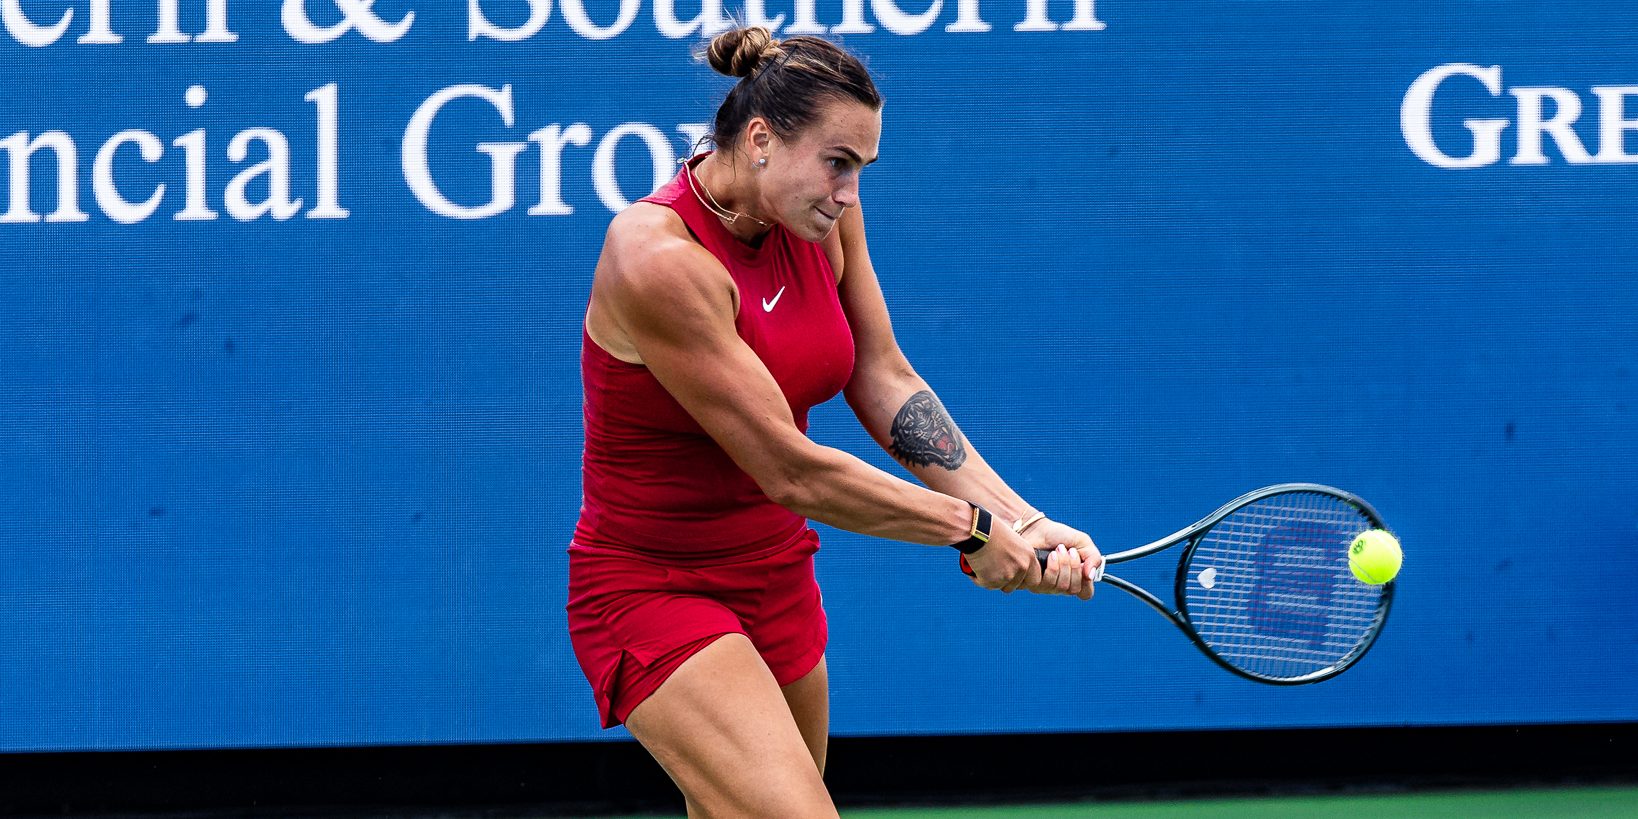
(809, 701)
(720, 726)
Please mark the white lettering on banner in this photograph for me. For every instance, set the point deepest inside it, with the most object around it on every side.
(899, 17)
(478, 25)
(659, 154)
(355, 14)
(1085, 19)
(503, 156)
(709, 22)
(896, 16)
(325, 99)
(102, 178)
(967, 21)
(21, 149)
(853, 21)
(100, 29)
(756, 14)
(275, 169)
(1416, 118)
(1613, 124)
(896, 20)
(26, 31)
(807, 19)
(192, 144)
(1416, 122)
(418, 173)
(551, 139)
(574, 12)
(1532, 126)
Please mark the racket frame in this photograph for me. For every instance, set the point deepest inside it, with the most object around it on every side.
(1178, 613)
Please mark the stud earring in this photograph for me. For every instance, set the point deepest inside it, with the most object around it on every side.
(762, 163)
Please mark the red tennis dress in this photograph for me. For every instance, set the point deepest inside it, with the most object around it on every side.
(676, 545)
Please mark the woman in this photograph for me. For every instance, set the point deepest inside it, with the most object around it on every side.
(724, 307)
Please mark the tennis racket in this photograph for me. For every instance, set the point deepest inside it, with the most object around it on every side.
(1263, 585)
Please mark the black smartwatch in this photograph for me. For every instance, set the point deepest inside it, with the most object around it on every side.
(980, 533)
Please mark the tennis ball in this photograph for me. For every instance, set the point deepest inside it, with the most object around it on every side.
(1375, 557)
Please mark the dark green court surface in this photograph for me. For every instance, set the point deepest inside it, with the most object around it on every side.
(1592, 803)
(1577, 802)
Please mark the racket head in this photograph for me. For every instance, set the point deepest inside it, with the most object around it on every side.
(1264, 588)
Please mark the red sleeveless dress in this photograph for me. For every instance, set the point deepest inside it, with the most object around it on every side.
(676, 545)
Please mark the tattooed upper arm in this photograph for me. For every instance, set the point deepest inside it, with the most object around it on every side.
(924, 434)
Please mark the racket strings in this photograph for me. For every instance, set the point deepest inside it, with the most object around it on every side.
(1268, 588)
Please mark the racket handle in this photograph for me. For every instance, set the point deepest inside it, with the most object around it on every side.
(1041, 555)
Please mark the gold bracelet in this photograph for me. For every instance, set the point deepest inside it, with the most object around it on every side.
(1019, 525)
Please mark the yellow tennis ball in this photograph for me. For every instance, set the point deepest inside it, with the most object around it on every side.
(1375, 557)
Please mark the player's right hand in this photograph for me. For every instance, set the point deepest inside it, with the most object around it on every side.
(1007, 562)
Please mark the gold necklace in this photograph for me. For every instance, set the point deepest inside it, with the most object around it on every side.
(722, 213)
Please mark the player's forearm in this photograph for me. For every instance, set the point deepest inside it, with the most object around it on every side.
(901, 412)
(837, 489)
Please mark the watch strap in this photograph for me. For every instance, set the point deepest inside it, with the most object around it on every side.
(979, 533)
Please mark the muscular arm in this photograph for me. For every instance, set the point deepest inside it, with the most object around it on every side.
(675, 303)
(896, 406)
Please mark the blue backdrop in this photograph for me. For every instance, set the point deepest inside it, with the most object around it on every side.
(281, 473)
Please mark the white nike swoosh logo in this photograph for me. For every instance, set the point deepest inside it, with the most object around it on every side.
(768, 306)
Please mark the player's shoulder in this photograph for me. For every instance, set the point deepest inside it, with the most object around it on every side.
(646, 228)
(648, 250)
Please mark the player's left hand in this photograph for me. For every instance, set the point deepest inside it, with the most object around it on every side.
(1071, 568)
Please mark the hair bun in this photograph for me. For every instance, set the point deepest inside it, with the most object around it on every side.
(738, 52)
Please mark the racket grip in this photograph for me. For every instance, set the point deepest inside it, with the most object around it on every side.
(1041, 555)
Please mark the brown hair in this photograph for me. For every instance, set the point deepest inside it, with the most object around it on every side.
(783, 81)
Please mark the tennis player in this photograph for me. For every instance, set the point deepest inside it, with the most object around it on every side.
(725, 306)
